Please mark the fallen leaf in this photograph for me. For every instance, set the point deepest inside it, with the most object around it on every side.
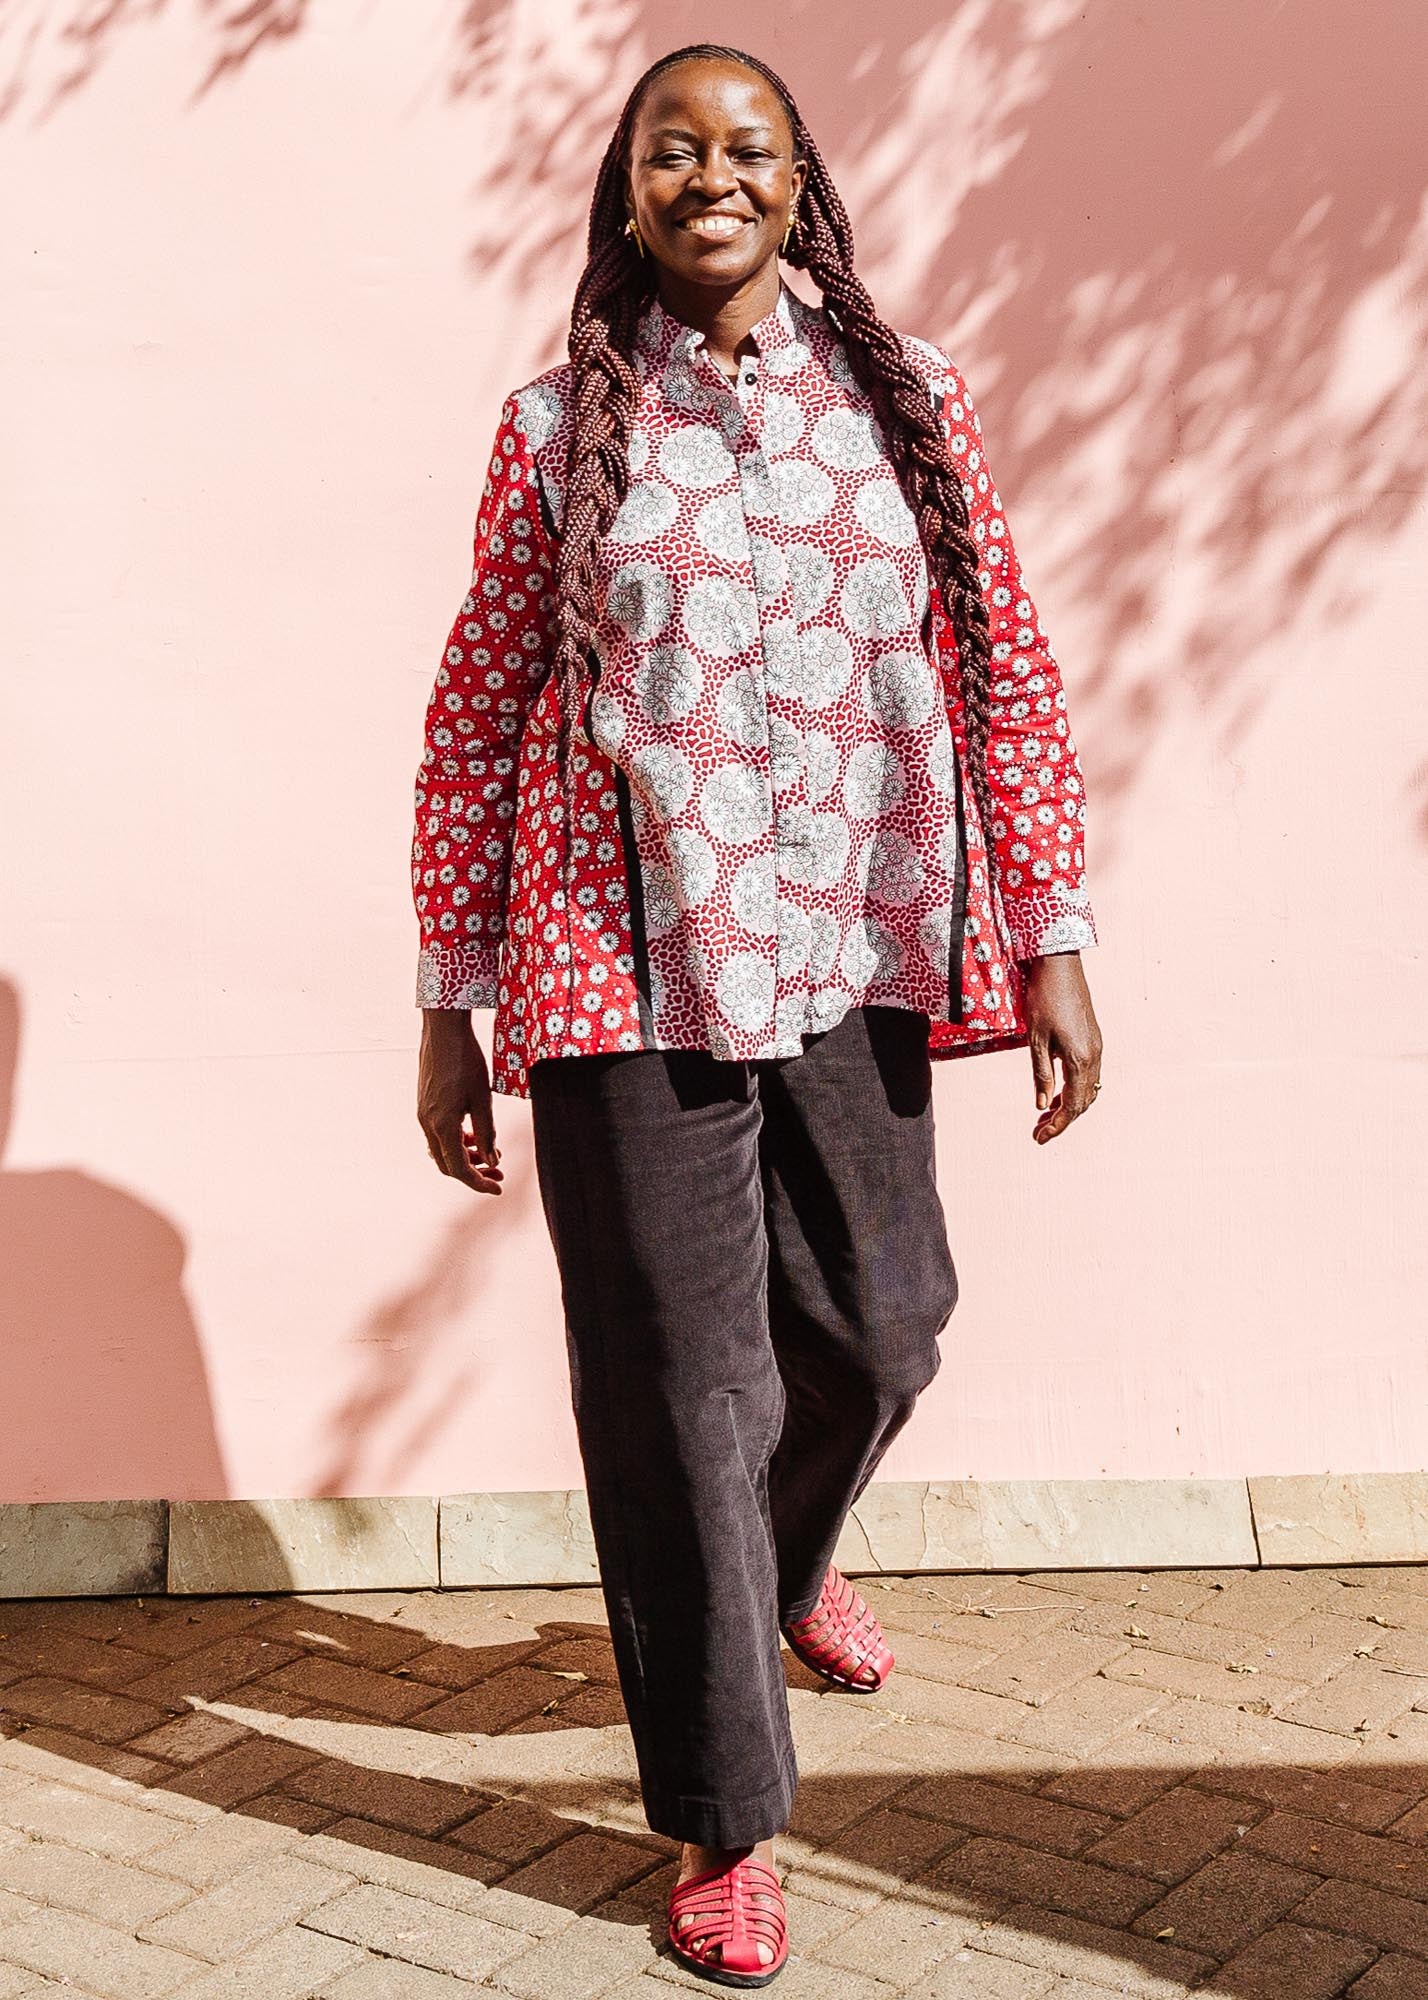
(1365, 1652)
(1168, 1932)
(1134, 1632)
(1239, 1667)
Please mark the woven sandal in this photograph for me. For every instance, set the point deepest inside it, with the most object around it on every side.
(841, 1638)
(727, 1919)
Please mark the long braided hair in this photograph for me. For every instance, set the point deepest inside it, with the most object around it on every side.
(615, 288)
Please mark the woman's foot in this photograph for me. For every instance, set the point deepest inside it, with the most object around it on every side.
(691, 1927)
(841, 1638)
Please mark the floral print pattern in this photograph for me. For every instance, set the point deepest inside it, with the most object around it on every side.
(773, 821)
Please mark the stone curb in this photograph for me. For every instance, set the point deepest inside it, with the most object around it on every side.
(102, 1548)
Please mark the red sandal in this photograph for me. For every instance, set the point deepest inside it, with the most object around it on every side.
(841, 1638)
(728, 1919)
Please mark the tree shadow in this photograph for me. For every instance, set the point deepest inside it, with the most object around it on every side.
(105, 1382)
(1180, 253)
(49, 51)
(103, 1365)
(1191, 302)
(453, 1745)
(416, 1349)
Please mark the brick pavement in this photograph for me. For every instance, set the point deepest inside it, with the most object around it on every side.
(1155, 1785)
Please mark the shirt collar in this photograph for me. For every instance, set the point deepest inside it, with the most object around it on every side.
(660, 336)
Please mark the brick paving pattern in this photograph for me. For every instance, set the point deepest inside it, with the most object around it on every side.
(1074, 1786)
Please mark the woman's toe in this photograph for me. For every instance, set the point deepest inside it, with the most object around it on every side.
(695, 1940)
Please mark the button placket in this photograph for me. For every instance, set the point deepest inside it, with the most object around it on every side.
(792, 815)
(739, 418)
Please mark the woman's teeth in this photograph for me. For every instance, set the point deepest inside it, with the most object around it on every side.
(715, 225)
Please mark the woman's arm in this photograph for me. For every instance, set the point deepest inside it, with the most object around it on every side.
(497, 654)
(1037, 834)
(1036, 841)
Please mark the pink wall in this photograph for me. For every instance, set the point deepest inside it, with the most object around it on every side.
(269, 270)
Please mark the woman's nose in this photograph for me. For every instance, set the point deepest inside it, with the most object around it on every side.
(714, 175)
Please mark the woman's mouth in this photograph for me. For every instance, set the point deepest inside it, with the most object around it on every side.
(715, 228)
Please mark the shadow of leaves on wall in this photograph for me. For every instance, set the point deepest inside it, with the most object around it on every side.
(100, 1354)
(1191, 302)
(417, 1350)
(1181, 254)
(48, 51)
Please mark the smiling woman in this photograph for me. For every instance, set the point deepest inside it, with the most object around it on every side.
(713, 179)
(748, 788)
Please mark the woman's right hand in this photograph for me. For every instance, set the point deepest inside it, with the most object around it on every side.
(454, 1100)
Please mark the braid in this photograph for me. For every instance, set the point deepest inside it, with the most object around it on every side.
(614, 289)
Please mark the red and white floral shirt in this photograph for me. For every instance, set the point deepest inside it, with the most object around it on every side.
(773, 819)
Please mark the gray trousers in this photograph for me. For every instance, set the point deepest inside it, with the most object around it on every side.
(754, 1268)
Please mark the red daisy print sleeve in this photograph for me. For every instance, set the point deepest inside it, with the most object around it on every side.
(1038, 829)
(498, 652)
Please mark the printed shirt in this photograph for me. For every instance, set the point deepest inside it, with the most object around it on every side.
(773, 821)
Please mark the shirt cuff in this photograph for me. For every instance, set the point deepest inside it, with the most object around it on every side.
(458, 975)
(1050, 919)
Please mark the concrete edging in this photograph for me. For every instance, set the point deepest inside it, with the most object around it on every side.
(209, 1547)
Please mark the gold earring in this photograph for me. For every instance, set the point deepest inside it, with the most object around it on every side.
(632, 228)
(792, 216)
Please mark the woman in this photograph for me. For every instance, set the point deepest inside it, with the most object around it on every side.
(745, 670)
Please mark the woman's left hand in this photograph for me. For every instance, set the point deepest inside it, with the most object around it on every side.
(1062, 1026)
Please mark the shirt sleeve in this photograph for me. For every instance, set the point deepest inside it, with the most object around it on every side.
(497, 654)
(1037, 835)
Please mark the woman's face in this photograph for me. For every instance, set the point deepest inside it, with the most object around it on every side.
(711, 175)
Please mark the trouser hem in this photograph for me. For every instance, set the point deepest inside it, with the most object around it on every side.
(797, 1615)
(730, 1823)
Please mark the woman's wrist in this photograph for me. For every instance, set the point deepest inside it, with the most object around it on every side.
(446, 1023)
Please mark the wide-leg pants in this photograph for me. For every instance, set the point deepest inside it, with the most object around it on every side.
(755, 1271)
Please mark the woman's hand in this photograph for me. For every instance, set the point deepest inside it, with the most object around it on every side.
(1062, 1024)
(454, 1086)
